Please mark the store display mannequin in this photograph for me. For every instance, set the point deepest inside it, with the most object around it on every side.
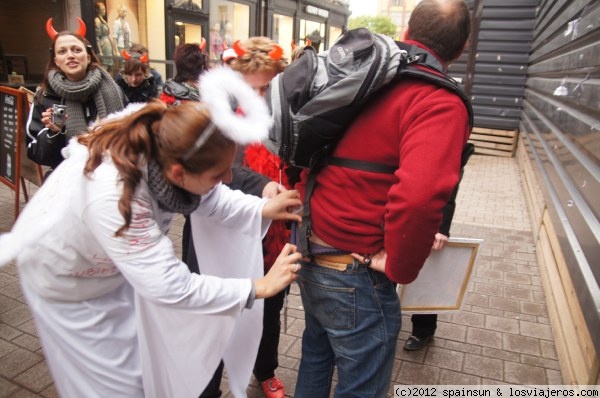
(216, 42)
(228, 37)
(106, 46)
(122, 32)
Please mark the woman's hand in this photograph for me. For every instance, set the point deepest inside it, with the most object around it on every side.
(282, 273)
(284, 207)
(272, 189)
(47, 121)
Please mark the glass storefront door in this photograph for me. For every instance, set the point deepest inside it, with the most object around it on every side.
(312, 32)
(229, 21)
(283, 33)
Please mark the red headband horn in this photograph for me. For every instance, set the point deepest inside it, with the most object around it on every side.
(53, 33)
(237, 46)
(276, 53)
(143, 57)
(202, 44)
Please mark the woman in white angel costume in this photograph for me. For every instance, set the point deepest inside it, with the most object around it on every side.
(116, 311)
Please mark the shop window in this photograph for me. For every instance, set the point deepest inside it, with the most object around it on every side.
(117, 27)
(187, 33)
(314, 32)
(229, 21)
(283, 33)
(334, 33)
(190, 5)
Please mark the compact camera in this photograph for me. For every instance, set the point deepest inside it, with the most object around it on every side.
(59, 113)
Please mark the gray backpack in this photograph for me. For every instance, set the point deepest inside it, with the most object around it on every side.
(318, 95)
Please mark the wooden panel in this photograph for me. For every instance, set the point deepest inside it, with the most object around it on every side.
(533, 192)
(568, 347)
(494, 142)
(572, 303)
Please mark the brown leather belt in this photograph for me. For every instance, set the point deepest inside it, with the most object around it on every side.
(339, 262)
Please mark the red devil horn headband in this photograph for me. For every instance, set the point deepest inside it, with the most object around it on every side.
(202, 44)
(275, 53)
(53, 33)
(143, 58)
(239, 50)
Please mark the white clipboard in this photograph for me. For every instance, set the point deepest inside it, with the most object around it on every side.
(442, 283)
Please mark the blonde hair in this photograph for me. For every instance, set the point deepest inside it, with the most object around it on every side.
(257, 58)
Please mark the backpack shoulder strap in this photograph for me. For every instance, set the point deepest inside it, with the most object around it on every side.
(421, 64)
(441, 81)
(420, 56)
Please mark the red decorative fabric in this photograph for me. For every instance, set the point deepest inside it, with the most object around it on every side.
(259, 159)
(167, 99)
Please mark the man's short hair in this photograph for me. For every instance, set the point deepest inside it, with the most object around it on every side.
(442, 25)
(190, 62)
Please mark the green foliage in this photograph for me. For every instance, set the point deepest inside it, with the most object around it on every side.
(376, 24)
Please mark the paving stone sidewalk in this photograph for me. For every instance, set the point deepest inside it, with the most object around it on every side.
(502, 334)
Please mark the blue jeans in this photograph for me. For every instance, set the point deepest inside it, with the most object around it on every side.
(352, 321)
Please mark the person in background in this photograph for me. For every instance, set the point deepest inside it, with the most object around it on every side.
(259, 60)
(424, 325)
(107, 48)
(191, 61)
(381, 233)
(113, 305)
(135, 79)
(140, 49)
(75, 79)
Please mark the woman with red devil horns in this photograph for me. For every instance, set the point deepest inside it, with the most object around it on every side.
(75, 92)
(259, 60)
(136, 79)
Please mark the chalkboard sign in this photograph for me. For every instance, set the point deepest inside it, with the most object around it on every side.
(11, 102)
(11, 123)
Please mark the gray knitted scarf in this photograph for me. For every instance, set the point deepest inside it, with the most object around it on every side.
(97, 84)
(170, 197)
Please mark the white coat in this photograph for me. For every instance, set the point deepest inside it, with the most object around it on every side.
(123, 316)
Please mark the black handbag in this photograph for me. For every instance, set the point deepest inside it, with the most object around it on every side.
(46, 149)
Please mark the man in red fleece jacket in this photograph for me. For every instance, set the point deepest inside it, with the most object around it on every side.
(352, 310)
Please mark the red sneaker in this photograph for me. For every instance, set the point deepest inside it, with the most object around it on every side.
(273, 388)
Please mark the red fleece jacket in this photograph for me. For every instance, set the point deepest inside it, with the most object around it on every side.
(419, 127)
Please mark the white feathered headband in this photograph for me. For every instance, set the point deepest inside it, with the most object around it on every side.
(235, 108)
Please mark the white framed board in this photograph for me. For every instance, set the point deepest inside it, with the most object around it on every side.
(442, 282)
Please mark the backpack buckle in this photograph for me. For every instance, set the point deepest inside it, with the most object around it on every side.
(412, 59)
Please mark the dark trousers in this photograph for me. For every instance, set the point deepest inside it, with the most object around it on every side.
(423, 324)
(266, 359)
(213, 389)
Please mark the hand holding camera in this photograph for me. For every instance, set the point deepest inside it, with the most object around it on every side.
(59, 115)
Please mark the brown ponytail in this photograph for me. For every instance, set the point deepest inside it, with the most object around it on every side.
(155, 132)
